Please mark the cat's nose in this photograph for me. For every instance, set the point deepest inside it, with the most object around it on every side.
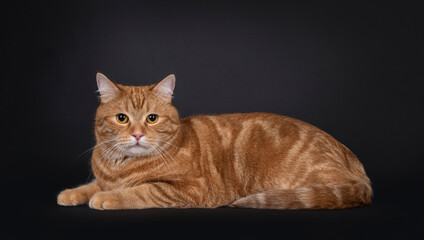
(137, 135)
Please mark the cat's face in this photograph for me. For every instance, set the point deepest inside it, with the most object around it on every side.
(135, 121)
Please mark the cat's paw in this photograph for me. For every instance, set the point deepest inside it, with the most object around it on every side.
(105, 200)
(72, 197)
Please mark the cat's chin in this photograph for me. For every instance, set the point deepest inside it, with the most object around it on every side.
(137, 151)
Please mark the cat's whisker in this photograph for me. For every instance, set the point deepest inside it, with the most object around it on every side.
(167, 142)
(99, 144)
(156, 160)
(167, 158)
(89, 175)
(163, 158)
(109, 154)
(107, 151)
(177, 174)
(171, 158)
(119, 153)
(160, 155)
(92, 148)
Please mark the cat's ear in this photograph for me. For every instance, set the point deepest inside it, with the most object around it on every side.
(107, 89)
(166, 87)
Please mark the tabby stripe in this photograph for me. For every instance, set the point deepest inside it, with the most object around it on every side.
(298, 167)
(159, 199)
(140, 195)
(154, 199)
(227, 139)
(239, 157)
(162, 195)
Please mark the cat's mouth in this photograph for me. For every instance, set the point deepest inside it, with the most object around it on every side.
(138, 145)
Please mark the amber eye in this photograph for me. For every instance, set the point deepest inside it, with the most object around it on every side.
(122, 118)
(152, 118)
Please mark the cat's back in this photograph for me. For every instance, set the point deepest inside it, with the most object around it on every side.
(230, 126)
(263, 134)
(250, 132)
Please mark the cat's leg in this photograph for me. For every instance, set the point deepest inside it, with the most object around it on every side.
(148, 195)
(79, 195)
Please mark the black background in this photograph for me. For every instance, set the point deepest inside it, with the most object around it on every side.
(354, 70)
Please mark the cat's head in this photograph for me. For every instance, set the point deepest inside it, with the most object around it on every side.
(135, 121)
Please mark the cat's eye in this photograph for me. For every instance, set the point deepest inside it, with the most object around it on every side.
(152, 118)
(122, 118)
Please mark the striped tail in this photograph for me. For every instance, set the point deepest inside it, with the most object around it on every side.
(314, 196)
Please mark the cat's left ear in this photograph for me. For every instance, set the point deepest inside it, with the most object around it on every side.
(166, 87)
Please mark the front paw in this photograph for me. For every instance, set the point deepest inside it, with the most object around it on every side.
(106, 200)
(72, 197)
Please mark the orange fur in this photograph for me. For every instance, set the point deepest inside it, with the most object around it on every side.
(257, 160)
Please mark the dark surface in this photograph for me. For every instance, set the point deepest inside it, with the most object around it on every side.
(353, 70)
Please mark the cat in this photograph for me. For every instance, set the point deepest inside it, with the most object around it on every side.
(147, 157)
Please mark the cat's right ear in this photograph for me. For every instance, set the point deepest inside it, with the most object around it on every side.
(107, 89)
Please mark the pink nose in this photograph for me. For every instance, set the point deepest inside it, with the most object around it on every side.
(137, 135)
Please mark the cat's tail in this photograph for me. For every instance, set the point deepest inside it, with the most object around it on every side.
(315, 196)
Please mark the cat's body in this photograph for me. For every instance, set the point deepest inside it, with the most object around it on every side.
(258, 160)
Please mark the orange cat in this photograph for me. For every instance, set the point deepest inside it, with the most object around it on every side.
(147, 157)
